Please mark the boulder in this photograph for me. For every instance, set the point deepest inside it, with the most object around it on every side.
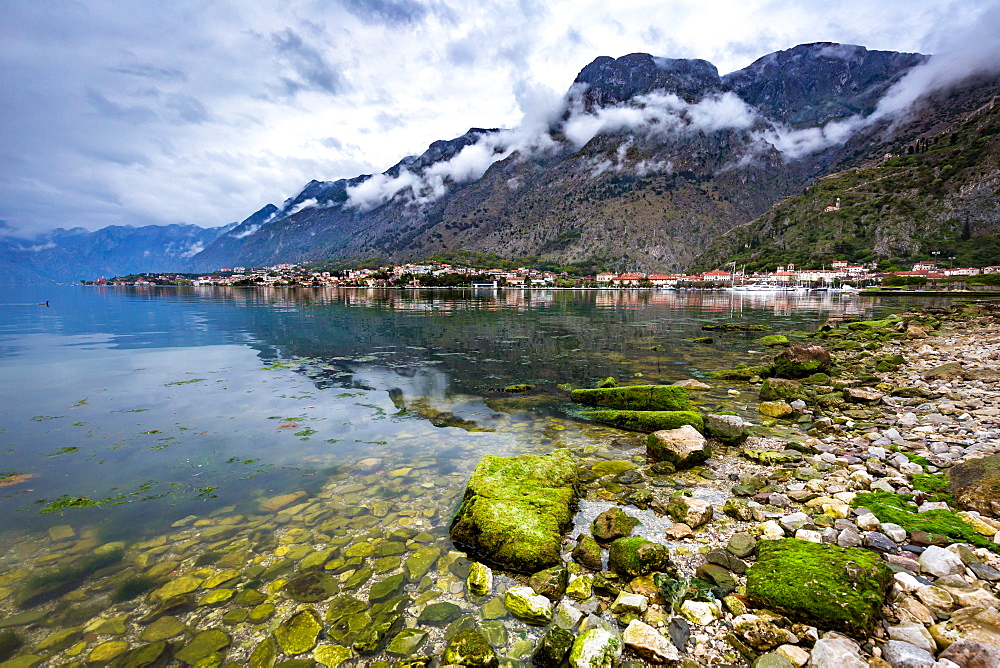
(635, 556)
(836, 651)
(801, 361)
(649, 643)
(683, 447)
(730, 429)
(588, 553)
(781, 388)
(516, 509)
(611, 525)
(550, 583)
(529, 607)
(595, 648)
(636, 398)
(940, 562)
(690, 511)
(819, 584)
(979, 624)
(647, 421)
(470, 648)
(975, 484)
(901, 654)
(775, 409)
(972, 654)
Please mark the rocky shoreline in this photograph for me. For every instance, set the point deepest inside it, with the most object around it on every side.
(867, 537)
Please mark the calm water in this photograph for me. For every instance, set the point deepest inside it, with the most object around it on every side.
(127, 410)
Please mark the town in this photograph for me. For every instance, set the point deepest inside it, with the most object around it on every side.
(839, 275)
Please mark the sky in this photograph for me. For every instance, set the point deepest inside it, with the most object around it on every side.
(188, 111)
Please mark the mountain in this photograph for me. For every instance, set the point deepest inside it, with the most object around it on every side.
(938, 191)
(70, 255)
(650, 160)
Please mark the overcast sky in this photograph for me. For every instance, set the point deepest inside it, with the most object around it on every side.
(195, 111)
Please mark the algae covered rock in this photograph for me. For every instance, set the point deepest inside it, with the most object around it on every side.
(553, 648)
(637, 556)
(636, 398)
(683, 447)
(595, 648)
(611, 525)
(647, 421)
(298, 634)
(516, 509)
(469, 648)
(550, 583)
(203, 645)
(529, 607)
(775, 409)
(587, 552)
(781, 388)
(801, 361)
(819, 584)
(310, 587)
(975, 484)
(480, 579)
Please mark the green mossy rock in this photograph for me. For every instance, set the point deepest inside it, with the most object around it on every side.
(553, 648)
(801, 361)
(819, 584)
(636, 398)
(332, 656)
(470, 648)
(406, 642)
(439, 614)
(595, 648)
(529, 607)
(744, 372)
(647, 421)
(782, 388)
(264, 654)
(310, 587)
(386, 588)
(774, 340)
(418, 564)
(516, 509)
(550, 583)
(635, 556)
(203, 645)
(146, 656)
(611, 525)
(298, 634)
(610, 381)
(164, 628)
(587, 553)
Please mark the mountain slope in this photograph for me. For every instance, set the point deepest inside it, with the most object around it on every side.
(937, 191)
(651, 160)
(70, 255)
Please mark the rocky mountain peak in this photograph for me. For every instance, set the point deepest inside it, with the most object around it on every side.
(611, 81)
(814, 83)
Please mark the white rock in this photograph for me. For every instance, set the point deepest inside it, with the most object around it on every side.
(894, 531)
(868, 522)
(809, 535)
(595, 648)
(940, 562)
(932, 505)
(699, 612)
(771, 530)
(649, 643)
(836, 651)
(915, 634)
(794, 522)
(634, 603)
(907, 582)
(796, 656)
(904, 655)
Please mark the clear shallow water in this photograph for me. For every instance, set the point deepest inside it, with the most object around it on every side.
(128, 410)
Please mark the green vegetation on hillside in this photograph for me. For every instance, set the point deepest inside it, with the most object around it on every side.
(936, 195)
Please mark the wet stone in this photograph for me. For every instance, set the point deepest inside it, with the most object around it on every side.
(332, 656)
(389, 549)
(261, 613)
(264, 654)
(726, 560)
(249, 597)
(386, 588)
(146, 655)
(358, 578)
(587, 553)
(419, 563)
(343, 605)
(439, 614)
(553, 648)
(406, 642)
(298, 633)
(550, 583)
(235, 616)
(107, 651)
(164, 628)
(310, 587)
(470, 648)
(494, 608)
(203, 645)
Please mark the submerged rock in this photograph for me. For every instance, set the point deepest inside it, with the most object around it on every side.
(801, 361)
(611, 525)
(636, 397)
(587, 553)
(820, 584)
(469, 648)
(298, 634)
(647, 421)
(516, 509)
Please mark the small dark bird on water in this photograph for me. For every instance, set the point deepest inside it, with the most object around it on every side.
(43, 303)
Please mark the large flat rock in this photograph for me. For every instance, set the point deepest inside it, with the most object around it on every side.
(516, 510)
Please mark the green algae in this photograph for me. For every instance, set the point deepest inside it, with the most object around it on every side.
(819, 584)
(895, 509)
(635, 397)
(516, 509)
(743, 372)
(51, 584)
(647, 421)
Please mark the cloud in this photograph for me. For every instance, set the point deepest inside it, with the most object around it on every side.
(659, 113)
(393, 12)
(311, 66)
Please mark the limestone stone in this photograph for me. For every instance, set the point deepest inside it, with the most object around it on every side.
(940, 562)
(649, 643)
(595, 648)
(901, 654)
(692, 512)
(529, 607)
(699, 612)
(836, 651)
(972, 654)
(629, 603)
(915, 634)
(683, 447)
(480, 579)
(331, 656)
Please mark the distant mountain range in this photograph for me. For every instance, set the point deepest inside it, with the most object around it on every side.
(651, 164)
